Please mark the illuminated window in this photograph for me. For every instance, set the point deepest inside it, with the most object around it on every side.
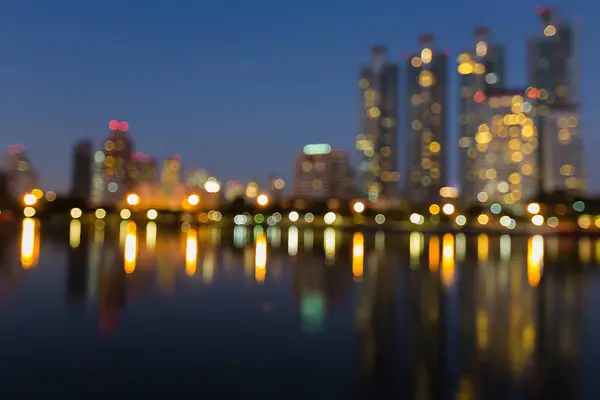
(567, 170)
(416, 62)
(417, 125)
(436, 108)
(434, 147)
(386, 151)
(426, 79)
(527, 169)
(363, 83)
(481, 49)
(307, 166)
(317, 184)
(119, 145)
(319, 166)
(426, 55)
(109, 145)
(374, 112)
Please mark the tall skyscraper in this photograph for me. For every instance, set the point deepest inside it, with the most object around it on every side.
(481, 69)
(321, 173)
(427, 86)
(377, 141)
(117, 160)
(505, 152)
(553, 75)
(81, 170)
(562, 165)
(21, 178)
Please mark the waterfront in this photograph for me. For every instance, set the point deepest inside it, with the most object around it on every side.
(297, 313)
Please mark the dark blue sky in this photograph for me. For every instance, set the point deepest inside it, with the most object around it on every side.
(236, 87)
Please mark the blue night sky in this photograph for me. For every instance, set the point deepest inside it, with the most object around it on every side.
(236, 87)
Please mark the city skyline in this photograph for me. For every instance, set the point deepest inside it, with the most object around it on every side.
(219, 157)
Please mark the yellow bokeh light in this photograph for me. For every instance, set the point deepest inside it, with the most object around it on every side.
(435, 147)
(479, 69)
(29, 212)
(434, 209)
(426, 78)
(550, 30)
(465, 68)
(483, 219)
(416, 62)
(481, 49)
(37, 193)
(100, 213)
(426, 55)
(76, 213)
(125, 214)
(358, 252)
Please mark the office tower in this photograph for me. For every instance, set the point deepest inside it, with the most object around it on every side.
(81, 170)
(481, 68)
(425, 143)
(21, 178)
(505, 152)
(321, 173)
(562, 166)
(4, 198)
(553, 76)
(377, 141)
(117, 160)
(142, 168)
(171, 173)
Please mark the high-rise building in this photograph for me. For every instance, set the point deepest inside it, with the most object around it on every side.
(171, 173)
(506, 149)
(117, 160)
(377, 141)
(321, 173)
(427, 86)
(98, 182)
(481, 68)
(21, 178)
(553, 76)
(562, 166)
(81, 170)
(142, 168)
(196, 178)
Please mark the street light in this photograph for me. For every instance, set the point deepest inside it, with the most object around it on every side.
(133, 199)
(29, 199)
(359, 207)
(262, 200)
(193, 199)
(533, 208)
(448, 209)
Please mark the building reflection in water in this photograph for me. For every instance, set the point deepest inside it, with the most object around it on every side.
(435, 316)
(329, 245)
(292, 241)
(77, 266)
(191, 252)
(260, 258)
(30, 243)
(131, 248)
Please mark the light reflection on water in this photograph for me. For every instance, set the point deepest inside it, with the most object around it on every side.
(421, 315)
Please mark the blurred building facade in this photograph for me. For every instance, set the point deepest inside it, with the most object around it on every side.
(321, 173)
(20, 176)
(118, 148)
(505, 158)
(82, 170)
(142, 168)
(427, 84)
(480, 68)
(554, 80)
(377, 141)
